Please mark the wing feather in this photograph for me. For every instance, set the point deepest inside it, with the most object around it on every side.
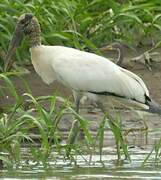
(83, 71)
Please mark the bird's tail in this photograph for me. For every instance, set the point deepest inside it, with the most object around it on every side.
(154, 107)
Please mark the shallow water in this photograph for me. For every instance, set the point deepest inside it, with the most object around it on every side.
(109, 168)
(90, 173)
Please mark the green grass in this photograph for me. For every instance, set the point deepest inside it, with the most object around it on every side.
(28, 114)
(116, 128)
(84, 24)
(154, 156)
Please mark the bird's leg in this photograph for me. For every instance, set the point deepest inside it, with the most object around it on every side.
(73, 132)
(106, 113)
(103, 109)
(77, 98)
(113, 126)
(77, 103)
(75, 126)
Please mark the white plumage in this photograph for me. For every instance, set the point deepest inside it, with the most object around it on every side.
(86, 72)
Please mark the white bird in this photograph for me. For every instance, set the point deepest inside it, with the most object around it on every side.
(83, 72)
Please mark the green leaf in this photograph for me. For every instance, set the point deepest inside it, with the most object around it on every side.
(130, 16)
(158, 16)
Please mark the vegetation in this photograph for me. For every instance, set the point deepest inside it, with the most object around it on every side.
(30, 114)
(84, 24)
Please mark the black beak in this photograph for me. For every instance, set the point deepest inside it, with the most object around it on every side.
(16, 39)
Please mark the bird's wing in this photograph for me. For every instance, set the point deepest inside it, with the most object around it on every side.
(88, 72)
(137, 78)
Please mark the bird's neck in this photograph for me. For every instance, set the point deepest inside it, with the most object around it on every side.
(35, 34)
(35, 39)
(120, 57)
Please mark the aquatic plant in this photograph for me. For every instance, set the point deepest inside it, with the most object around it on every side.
(13, 126)
(116, 128)
(28, 114)
(154, 156)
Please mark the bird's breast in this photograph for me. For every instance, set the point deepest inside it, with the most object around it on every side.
(42, 65)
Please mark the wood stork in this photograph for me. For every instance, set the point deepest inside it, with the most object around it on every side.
(83, 72)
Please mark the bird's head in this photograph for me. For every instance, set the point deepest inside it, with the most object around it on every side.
(26, 25)
(116, 46)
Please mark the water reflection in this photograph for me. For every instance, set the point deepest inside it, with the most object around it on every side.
(109, 168)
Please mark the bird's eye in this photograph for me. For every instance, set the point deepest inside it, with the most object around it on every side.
(23, 21)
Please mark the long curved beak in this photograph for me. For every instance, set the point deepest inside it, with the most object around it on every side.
(16, 39)
(106, 48)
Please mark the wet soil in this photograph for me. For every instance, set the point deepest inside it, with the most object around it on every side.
(133, 122)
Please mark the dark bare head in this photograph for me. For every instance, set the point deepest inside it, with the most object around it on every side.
(28, 25)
